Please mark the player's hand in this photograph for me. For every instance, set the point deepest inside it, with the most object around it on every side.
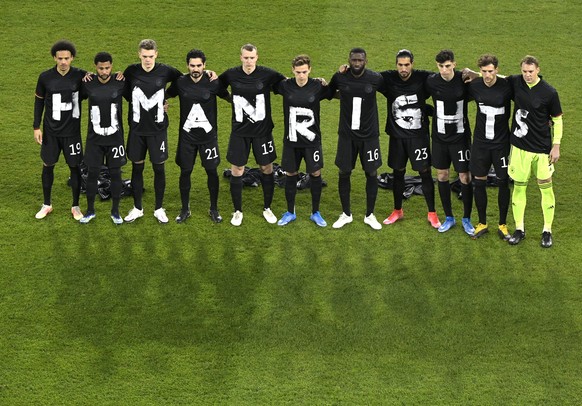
(38, 136)
(468, 75)
(344, 68)
(322, 80)
(88, 77)
(119, 76)
(555, 153)
(166, 106)
(211, 75)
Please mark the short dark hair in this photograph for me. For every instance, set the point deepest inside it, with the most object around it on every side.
(405, 53)
(64, 45)
(445, 55)
(148, 44)
(248, 47)
(487, 59)
(358, 50)
(195, 53)
(301, 60)
(102, 57)
(530, 60)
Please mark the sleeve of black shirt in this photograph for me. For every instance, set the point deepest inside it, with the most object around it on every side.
(38, 109)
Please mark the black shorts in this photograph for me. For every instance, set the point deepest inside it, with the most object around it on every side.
(483, 158)
(52, 146)
(417, 149)
(349, 149)
(157, 145)
(458, 153)
(187, 151)
(240, 147)
(112, 155)
(292, 157)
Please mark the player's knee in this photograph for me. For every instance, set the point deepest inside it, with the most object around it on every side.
(479, 182)
(343, 174)
(115, 173)
(210, 172)
(315, 174)
(158, 168)
(267, 169)
(542, 181)
(443, 175)
(237, 171)
(371, 174)
(465, 177)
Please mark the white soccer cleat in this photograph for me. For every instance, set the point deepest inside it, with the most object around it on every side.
(133, 215)
(269, 216)
(76, 212)
(44, 211)
(237, 218)
(343, 220)
(372, 222)
(160, 215)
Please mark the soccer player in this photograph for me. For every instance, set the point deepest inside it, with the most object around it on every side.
(407, 126)
(148, 125)
(57, 94)
(198, 130)
(536, 133)
(451, 136)
(301, 97)
(490, 140)
(252, 126)
(104, 134)
(358, 133)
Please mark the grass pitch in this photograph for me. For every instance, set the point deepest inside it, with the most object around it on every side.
(211, 314)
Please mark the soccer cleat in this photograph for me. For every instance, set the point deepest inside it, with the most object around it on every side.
(44, 211)
(76, 212)
(372, 222)
(433, 219)
(447, 225)
(287, 218)
(160, 214)
(480, 230)
(516, 238)
(133, 215)
(547, 240)
(343, 220)
(503, 232)
(116, 218)
(269, 216)
(87, 218)
(467, 226)
(184, 214)
(237, 218)
(215, 216)
(394, 217)
(317, 219)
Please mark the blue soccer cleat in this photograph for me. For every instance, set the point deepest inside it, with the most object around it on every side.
(286, 218)
(317, 219)
(447, 225)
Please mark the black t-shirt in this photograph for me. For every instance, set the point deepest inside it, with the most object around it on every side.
(533, 112)
(406, 104)
(62, 106)
(251, 100)
(105, 125)
(493, 112)
(198, 111)
(301, 111)
(449, 123)
(146, 95)
(358, 107)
